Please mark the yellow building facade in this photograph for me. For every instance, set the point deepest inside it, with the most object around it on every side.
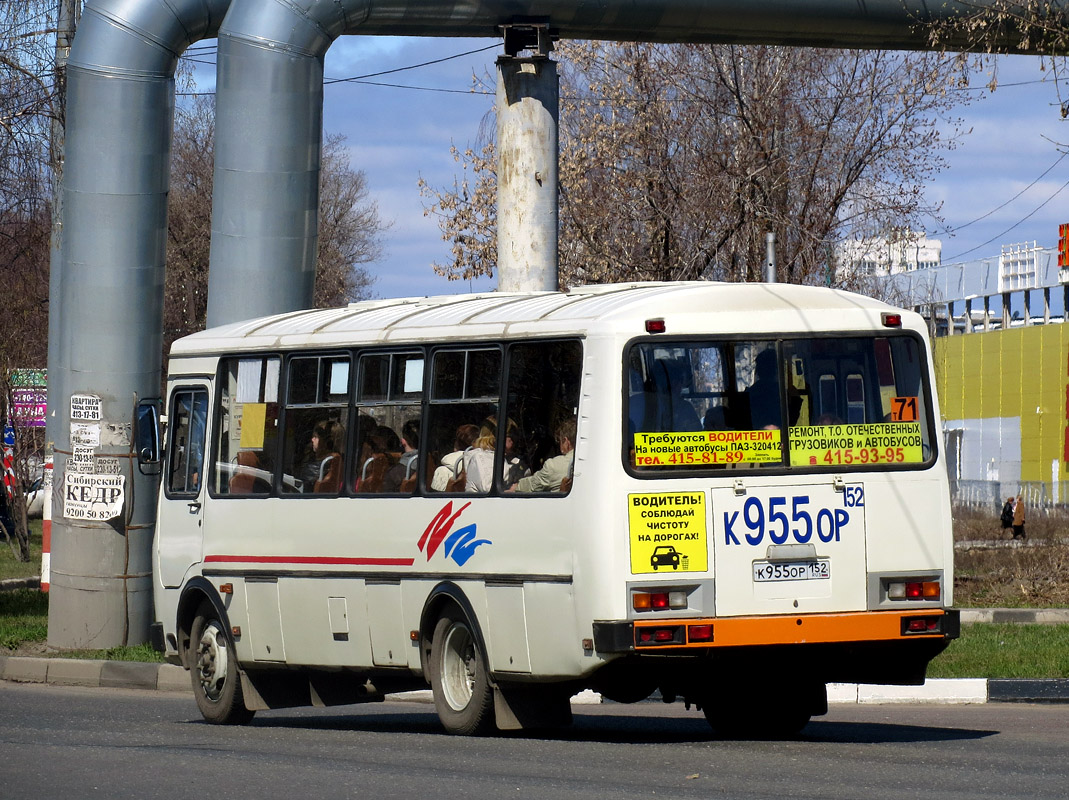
(1005, 401)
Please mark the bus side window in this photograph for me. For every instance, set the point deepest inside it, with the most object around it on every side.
(316, 420)
(246, 426)
(543, 402)
(462, 429)
(388, 441)
(189, 414)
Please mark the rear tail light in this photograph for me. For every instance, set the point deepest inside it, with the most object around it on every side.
(914, 590)
(699, 633)
(658, 601)
(669, 634)
(915, 625)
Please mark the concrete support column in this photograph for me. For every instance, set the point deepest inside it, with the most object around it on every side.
(106, 310)
(528, 103)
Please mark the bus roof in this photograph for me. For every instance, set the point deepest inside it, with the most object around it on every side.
(687, 308)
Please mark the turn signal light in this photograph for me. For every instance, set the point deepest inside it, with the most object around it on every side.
(658, 601)
(913, 590)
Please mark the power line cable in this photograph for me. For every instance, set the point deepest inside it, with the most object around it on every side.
(948, 229)
(361, 78)
(1014, 225)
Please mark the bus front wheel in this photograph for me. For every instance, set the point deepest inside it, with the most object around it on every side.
(214, 670)
(463, 697)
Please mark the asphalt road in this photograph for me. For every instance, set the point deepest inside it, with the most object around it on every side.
(61, 742)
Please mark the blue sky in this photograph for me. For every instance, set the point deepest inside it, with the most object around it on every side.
(992, 193)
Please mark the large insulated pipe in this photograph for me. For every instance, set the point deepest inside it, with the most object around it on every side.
(270, 96)
(107, 317)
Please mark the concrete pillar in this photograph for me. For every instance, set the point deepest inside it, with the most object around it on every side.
(528, 101)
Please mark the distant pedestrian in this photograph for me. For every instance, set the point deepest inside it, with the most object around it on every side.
(1018, 519)
(1006, 518)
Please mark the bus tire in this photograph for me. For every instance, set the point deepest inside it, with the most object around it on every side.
(460, 684)
(761, 715)
(214, 671)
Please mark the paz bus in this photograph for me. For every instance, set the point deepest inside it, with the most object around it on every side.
(727, 494)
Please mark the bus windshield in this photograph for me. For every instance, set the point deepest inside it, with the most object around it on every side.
(835, 403)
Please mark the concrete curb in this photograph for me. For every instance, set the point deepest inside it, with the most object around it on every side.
(1020, 616)
(170, 678)
(10, 584)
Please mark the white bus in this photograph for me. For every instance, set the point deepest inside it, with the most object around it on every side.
(730, 494)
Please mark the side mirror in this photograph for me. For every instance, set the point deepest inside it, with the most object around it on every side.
(147, 436)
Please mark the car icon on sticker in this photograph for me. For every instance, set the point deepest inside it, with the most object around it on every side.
(664, 556)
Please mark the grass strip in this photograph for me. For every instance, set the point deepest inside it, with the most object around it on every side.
(24, 620)
(1006, 650)
(23, 617)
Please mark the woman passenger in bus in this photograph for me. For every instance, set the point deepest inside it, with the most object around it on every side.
(326, 464)
(479, 458)
(452, 463)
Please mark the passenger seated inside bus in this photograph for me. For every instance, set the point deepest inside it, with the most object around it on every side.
(401, 477)
(556, 472)
(323, 472)
(515, 465)
(478, 469)
(764, 392)
(381, 450)
(448, 469)
(660, 405)
(247, 477)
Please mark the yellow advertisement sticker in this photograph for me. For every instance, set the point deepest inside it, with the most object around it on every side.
(707, 448)
(253, 423)
(667, 532)
(878, 443)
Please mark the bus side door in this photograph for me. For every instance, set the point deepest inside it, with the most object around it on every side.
(179, 524)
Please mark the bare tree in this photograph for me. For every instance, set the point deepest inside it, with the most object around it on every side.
(1038, 27)
(350, 228)
(27, 103)
(676, 160)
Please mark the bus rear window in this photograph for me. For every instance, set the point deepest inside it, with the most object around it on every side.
(850, 402)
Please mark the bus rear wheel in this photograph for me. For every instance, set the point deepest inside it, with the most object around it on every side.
(463, 697)
(214, 670)
(763, 713)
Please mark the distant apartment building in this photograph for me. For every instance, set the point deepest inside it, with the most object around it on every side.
(879, 256)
